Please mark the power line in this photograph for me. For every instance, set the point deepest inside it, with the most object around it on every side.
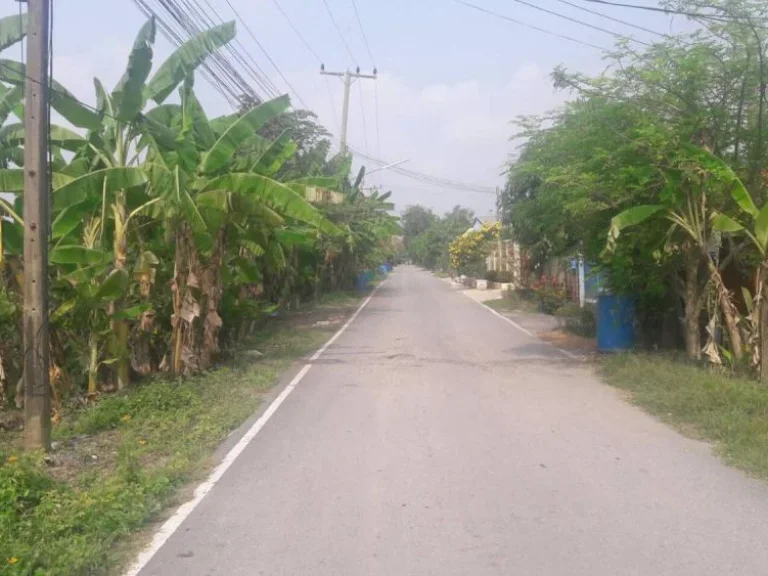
(376, 96)
(330, 98)
(296, 30)
(429, 188)
(196, 20)
(275, 66)
(192, 23)
(259, 73)
(581, 22)
(531, 26)
(338, 30)
(362, 111)
(362, 31)
(667, 11)
(209, 74)
(419, 176)
(617, 20)
(426, 178)
(376, 104)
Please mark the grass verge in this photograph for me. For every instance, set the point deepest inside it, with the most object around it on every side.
(513, 302)
(120, 462)
(730, 411)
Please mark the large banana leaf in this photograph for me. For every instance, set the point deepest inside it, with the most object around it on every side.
(9, 101)
(95, 184)
(630, 217)
(246, 126)
(317, 181)
(273, 158)
(76, 254)
(12, 180)
(128, 95)
(725, 173)
(114, 286)
(194, 116)
(13, 135)
(186, 59)
(275, 195)
(13, 238)
(164, 136)
(169, 115)
(104, 102)
(12, 29)
(295, 237)
(220, 124)
(61, 99)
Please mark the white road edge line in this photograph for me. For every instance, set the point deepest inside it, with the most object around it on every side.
(172, 524)
(570, 355)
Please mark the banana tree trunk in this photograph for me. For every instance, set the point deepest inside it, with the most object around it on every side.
(729, 311)
(93, 367)
(692, 309)
(119, 326)
(210, 300)
(3, 382)
(186, 309)
(762, 315)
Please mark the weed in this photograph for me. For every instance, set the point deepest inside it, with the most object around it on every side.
(157, 436)
(729, 410)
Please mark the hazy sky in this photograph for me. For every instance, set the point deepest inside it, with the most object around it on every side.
(451, 79)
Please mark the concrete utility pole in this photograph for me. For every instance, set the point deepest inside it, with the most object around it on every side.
(348, 78)
(501, 265)
(37, 398)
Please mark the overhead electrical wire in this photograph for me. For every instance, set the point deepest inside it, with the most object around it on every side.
(200, 21)
(425, 178)
(611, 18)
(668, 11)
(330, 99)
(376, 105)
(362, 31)
(296, 31)
(581, 22)
(338, 30)
(271, 61)
(418, 176)
(362, 112)
(192, 23)
(373, 62)
(250, 63)
(209, 74)
(531, 26)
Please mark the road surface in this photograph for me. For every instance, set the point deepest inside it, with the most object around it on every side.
(433, 438)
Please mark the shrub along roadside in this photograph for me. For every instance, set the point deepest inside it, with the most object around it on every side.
(704, 403)
(122, 461)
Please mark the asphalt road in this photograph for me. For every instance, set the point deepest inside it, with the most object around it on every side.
(435, 439)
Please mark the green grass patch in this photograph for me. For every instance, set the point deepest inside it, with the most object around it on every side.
(512, 301)
(709, 404)
(120, 462)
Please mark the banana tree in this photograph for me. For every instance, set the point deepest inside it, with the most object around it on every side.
(688, 180)
(208, 192)
(119, 139)
(757, 234)
(85, 276)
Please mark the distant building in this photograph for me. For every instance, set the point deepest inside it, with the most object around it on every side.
(318, 195)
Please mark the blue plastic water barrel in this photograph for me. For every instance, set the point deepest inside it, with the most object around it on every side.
(615, 322)
(383, 269)
(362, 281)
